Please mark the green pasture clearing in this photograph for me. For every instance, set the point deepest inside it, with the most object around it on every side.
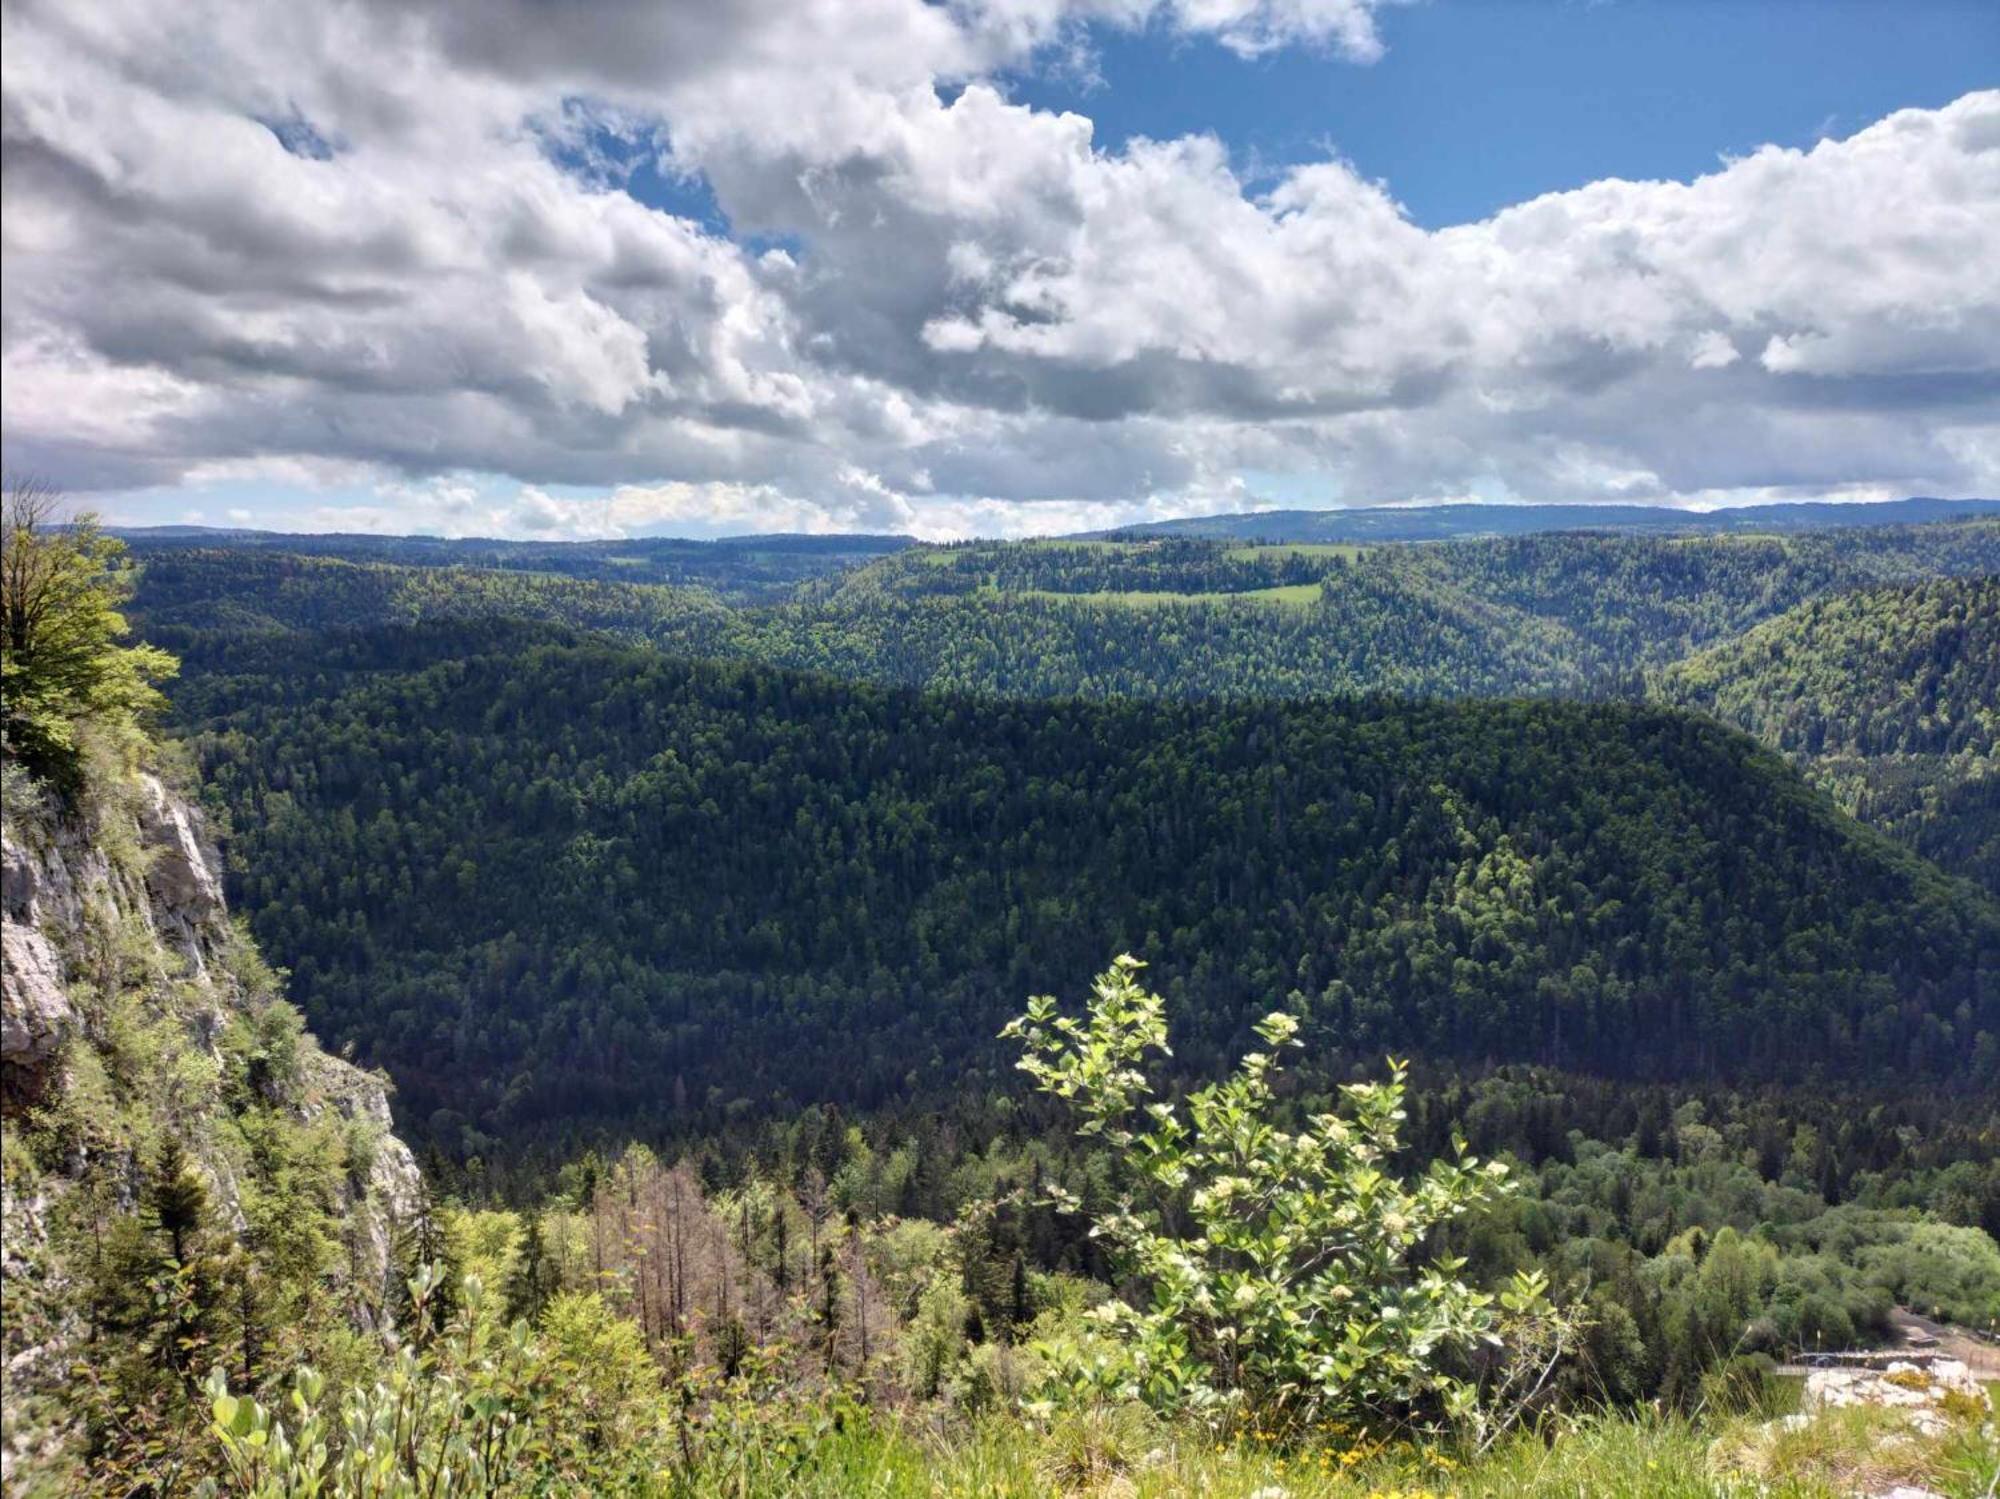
(1295, 594)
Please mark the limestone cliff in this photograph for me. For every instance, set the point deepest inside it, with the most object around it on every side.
(132, 1008)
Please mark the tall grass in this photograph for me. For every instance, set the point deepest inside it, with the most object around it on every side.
(1123, 1455)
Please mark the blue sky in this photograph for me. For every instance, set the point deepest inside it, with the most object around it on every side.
(1479, 104)
(1482, 103)
(412, 295)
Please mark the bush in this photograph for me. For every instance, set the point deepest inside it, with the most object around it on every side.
(1284, 1271)
(934, 1343)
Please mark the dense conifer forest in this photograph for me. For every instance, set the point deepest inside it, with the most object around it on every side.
(535, 878)
(1572, 614)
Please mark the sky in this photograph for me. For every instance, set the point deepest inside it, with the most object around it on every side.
(1002, 267)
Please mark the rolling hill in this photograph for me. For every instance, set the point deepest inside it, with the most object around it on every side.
(1888, 697)
(1574, 615)
(542, 877)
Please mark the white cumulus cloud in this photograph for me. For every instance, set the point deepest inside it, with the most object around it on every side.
(356, 238)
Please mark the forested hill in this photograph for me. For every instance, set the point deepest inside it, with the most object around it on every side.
(1577, 615)
(744, 569)
(1584, 616)
(1889, 697)
(547, 878)
(1583, 604)
(203, 597)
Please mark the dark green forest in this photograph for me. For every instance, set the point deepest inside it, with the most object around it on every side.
(745, 569)
(1889, 697)
(542, 877)
(691, 883)
(200, 597)
(1584, 616)
(1549, 613)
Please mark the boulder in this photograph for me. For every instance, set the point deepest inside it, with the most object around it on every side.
(35, 1013)
(1887, 1456)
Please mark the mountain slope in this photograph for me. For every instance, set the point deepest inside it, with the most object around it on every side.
(1889, 697)
(189, 1178)
(1567, 614)
(200, 595)
(545, 878)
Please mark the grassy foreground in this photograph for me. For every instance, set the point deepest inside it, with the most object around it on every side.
(1121, 1452)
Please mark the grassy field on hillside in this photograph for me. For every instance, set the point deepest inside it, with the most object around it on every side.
(1295, 594)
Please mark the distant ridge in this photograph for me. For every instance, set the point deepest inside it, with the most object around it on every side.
(742, 569)
(1448, 522)
(370, 543)
(1365, 523)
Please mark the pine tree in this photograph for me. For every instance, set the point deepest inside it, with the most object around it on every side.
(177, 1199)
(527, 1287)
(829, 1308)
(781, 1247)
(422, 1242)
(1017, 1300)
(184, 1288)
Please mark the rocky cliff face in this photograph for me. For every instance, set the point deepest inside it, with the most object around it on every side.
(112, 920)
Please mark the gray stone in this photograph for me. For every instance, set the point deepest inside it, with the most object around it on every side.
(35, 1013)
(19, 883)
(179, 876)
(1919, 1391)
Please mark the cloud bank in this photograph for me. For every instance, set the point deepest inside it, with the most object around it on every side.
(389, 244)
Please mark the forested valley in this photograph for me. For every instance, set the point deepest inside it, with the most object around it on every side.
(1000, 749)
(1596, 616)
(691, 904)
(1569, 614)
(1889, 697)
(535, 878)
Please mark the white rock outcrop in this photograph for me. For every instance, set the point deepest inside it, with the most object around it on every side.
(1928, 1392)
(180, 876)
(35, 1012)
(18, 882)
